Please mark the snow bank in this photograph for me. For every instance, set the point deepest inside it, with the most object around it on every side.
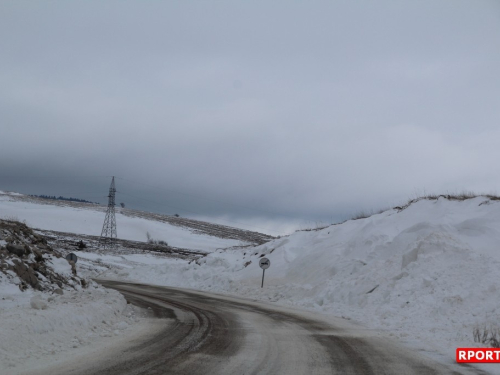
(34, 336)
(46, 310)
(427, 275)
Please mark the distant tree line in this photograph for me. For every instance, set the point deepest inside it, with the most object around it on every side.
(61, 198)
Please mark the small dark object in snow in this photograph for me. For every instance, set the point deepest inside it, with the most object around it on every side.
(371, 290)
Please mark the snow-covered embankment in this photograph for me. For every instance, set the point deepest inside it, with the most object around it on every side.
(48, 313)
(426, 275)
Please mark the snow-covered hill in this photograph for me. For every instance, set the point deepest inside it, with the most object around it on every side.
(427, 274)
(86, 218)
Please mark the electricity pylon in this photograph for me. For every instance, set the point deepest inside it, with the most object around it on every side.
(108, 234)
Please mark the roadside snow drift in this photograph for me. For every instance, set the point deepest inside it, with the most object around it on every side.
(46, 310)
(39, 329)
(427, 274)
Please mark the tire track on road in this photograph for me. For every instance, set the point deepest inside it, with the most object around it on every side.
(211, 334)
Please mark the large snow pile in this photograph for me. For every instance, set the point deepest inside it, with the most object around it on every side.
(427, 274)
(39, 329)
(46, 309)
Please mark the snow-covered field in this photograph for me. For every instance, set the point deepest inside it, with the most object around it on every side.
(90, 220)
(426, 275)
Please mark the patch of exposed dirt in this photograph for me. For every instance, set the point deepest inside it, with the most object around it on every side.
(26, 258)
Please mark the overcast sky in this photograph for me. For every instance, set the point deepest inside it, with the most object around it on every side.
(269, 114)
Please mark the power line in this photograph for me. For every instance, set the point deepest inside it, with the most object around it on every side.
(201, 197)
(108, 234)
(152, 186)
(195, 213)
(156, 203)
(164, 204)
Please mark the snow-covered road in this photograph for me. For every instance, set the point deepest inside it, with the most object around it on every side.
(205, 333)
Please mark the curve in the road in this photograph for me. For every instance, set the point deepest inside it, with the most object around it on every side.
(208, 334)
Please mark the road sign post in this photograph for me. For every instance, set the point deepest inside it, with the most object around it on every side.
(264, 263)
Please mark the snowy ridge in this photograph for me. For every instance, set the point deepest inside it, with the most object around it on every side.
(426, 275)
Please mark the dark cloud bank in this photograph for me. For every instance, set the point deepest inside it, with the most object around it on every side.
(267, 114)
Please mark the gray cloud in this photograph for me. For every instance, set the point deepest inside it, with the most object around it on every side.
(254, 112)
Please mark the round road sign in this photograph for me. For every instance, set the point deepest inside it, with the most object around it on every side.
(71, 257)
(264, 263)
